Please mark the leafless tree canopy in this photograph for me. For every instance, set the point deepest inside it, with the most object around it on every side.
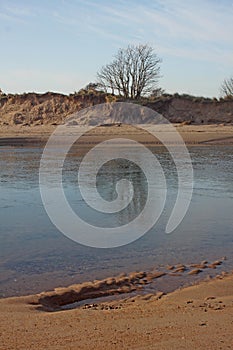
(227, 87)
(134, 72)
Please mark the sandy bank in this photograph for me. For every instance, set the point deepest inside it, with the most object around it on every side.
(191, 134)
(197, 317)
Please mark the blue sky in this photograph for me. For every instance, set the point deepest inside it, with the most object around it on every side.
(60, 45)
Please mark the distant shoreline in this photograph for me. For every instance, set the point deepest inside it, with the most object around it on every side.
(191, 134)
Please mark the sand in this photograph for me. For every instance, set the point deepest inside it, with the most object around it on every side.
(197, 317)
(192, 134)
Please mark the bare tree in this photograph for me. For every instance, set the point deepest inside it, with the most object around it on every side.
(134, 72)
(227, 87)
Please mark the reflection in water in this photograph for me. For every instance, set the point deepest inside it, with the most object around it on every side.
(107, 180)
(108, 177)
(35, 256)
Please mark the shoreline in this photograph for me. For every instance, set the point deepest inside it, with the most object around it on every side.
(200, 135)
(198, 316)
(123, 312)
(165, 277)
(122, 284)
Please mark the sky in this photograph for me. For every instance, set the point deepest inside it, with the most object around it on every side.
(60, 45)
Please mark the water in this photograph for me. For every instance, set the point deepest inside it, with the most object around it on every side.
(35, 256)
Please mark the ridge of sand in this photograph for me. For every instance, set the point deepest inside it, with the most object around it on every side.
(122, 284)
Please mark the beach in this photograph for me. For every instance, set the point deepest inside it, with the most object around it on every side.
(114, 313)
(191, 134)
(116, 175)
(196, 317)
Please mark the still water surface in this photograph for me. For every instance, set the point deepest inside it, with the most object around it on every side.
(35, 256)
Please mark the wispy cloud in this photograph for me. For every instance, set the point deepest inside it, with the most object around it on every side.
(18, 11)
(85, 33)
(186, 27)
(15, 12)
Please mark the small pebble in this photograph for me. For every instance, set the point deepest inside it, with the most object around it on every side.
(170, 267)
(211, 266)
(210, 298)
(204, 262)
(194, 272)
(217, 262)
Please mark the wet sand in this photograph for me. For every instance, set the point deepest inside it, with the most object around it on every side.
(197, 317)
(191, 134)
